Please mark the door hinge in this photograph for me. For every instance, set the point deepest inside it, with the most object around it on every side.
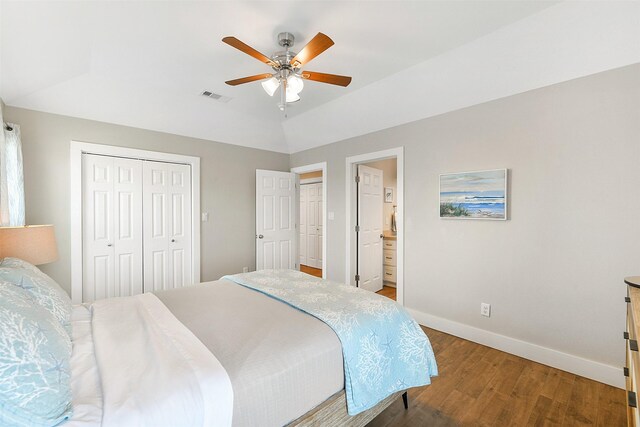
(357, 178)
(357, 228)
(357, 277)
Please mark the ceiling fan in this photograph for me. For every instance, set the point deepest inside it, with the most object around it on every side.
(287, 74)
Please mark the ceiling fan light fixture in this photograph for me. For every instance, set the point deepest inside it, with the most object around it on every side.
(292, 97)
(270, 86)
(287, 76)
(294, 83)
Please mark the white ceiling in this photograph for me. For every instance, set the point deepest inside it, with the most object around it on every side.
(144, 64)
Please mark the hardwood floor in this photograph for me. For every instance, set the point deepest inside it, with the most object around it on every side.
(388, 292)
(311, 270)
(481, 386)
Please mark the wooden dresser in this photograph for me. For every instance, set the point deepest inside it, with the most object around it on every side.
(632, 370)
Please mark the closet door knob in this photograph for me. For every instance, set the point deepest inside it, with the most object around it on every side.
(260, 236)
(109, 244)
(173, 240)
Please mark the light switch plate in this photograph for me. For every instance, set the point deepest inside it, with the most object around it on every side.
(331, 216)
(205, 216)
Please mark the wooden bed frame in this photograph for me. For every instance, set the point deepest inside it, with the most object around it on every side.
(333, 412)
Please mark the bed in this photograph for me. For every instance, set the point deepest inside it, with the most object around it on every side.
(219, 353)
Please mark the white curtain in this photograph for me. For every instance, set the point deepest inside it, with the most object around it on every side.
(11, 176)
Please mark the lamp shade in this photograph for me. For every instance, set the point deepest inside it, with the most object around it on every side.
(292, 96)
(294, 84)
(34, 243)
(271, 85)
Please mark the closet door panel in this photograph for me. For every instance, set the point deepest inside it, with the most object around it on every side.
(180, 233)
(127, 227)
(320, 207)
(303, 225)
(312, 225)
(97, 224)
(167, 226)
(155, 214)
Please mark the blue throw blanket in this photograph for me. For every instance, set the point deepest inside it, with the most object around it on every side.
(383, 348)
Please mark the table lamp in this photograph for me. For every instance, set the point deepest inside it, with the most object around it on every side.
(35, 244)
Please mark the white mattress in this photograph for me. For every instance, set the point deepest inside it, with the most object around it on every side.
(281, 361)
(85, 379)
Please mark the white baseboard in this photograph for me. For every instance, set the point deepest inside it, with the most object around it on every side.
(597, 371)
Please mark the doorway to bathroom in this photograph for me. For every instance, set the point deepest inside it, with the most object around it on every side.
(374, 212)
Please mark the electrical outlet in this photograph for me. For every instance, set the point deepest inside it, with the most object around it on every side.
(245, 269)
(485, 309)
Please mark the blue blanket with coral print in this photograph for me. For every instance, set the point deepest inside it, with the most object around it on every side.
(383, 348)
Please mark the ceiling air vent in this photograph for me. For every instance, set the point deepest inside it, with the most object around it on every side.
(217, 97)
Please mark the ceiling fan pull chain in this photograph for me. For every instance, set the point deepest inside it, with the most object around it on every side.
(283, 96)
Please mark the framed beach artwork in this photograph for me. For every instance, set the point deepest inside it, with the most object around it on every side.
(474, 195)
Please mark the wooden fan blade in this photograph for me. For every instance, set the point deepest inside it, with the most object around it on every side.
(332, 79)
(234, 42)
(315, 47)
(249, 79)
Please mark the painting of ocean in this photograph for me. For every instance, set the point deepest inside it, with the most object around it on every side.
(474, 195)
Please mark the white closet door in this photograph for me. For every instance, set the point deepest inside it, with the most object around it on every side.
(320, 207)
(167, 225)
(313, 227)
(303, 225)
(112, 227)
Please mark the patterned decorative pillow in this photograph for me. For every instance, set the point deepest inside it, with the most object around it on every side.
(18, 263)
(44, 290)
(35, 350)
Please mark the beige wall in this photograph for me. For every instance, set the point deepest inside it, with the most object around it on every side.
(227, 184)
(553, 272)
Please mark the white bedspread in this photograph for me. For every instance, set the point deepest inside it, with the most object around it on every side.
(153, 370)
(85, 378)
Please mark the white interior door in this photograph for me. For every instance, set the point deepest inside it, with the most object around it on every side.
(313, 226)
(370, 219)
(167, 226)
(112, 227)
(320, 210)
(276, 232)
(303, 225)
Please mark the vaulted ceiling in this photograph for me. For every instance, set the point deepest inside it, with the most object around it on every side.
(144, 64)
